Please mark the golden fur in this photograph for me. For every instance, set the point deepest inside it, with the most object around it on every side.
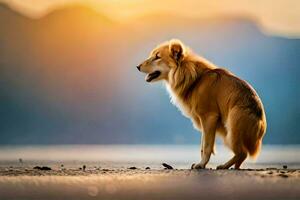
(216, 101)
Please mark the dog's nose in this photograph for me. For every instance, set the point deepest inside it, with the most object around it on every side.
(138, 67)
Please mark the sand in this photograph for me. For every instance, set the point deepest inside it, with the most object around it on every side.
(124, 183)
(107, 174)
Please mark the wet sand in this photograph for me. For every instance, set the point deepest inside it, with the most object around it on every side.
(124, 183)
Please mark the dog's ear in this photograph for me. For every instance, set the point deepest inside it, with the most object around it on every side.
(176, 49)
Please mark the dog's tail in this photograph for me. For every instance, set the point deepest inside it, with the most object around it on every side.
(254, 146)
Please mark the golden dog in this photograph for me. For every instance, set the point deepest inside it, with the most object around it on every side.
(216, 101)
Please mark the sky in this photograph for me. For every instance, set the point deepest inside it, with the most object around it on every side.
(279, 17)
(68, 75)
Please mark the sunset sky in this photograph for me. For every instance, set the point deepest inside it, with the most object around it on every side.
(280, 17)
(68, 75)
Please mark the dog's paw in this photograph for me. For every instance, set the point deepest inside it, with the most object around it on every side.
(198, 166)
(193, 165)
(222, 167)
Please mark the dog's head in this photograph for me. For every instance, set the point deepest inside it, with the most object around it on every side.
(161, 60)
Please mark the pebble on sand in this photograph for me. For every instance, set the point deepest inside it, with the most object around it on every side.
(284, 166)
(132, 168)
(271, 168)
(147, 168)
(42, 168)
(167, 166)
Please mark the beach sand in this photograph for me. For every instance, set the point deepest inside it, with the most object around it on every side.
(98, 183)
(119, 172)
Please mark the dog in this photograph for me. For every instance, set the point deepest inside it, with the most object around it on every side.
(217, 101)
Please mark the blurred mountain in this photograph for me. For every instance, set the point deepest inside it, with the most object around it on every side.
(69, 77)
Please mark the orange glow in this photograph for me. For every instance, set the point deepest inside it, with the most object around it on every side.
(281, 17)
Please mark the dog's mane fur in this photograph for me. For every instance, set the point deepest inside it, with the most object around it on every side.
(187, 75)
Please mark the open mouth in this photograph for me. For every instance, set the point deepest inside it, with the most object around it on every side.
(152, 76)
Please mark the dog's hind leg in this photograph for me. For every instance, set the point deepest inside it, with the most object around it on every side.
(236, 160)
(240, 154)
(228, 163)
(241, 158)
(238, 124)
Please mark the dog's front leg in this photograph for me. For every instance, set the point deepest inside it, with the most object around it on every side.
(202, 145)
(209, 125)
(197, 125)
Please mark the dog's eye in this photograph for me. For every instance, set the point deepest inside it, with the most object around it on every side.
(157, 56)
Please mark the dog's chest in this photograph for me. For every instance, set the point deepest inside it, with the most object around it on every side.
(184, 109)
